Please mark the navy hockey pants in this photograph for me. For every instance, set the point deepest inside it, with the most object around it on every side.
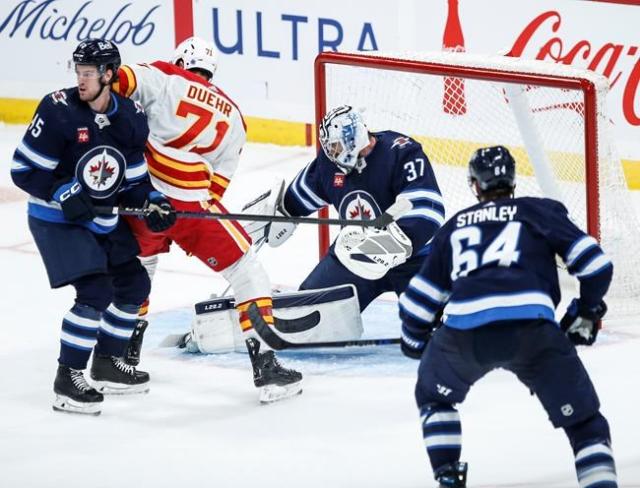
(537, 352)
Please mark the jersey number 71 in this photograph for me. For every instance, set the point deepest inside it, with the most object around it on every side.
(203, 120)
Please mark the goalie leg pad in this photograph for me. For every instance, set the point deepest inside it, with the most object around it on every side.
(214, 328)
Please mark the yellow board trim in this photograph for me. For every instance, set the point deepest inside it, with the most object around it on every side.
(286, 133)
(280, 132)
(17, 110)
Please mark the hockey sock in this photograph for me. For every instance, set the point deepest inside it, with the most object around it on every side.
(265, 305)
(116, 327)
(144, 309)
(591, 445)
(442, 433)
(78, 336)
(595, 467)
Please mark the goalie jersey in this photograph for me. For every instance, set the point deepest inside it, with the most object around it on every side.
(197, 132)
(495, 262)
(397, 166)
(104, 152)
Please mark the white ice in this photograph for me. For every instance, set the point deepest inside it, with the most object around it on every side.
(355, 425)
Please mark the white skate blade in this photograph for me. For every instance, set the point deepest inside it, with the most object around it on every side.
(275, 393)
(67, 405)
(111, 388)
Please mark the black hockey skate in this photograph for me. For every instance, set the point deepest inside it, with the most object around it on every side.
(274, 381)
(132, 354)
(452, 475)
(73, 393)
(111, 375)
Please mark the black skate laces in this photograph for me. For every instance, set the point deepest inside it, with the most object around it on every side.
(78, 380)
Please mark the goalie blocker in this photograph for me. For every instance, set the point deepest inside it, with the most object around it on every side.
(215, 330)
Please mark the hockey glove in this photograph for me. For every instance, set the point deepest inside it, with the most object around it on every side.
(75, 203)
(161, 214)
(413, 345)
(581, 324)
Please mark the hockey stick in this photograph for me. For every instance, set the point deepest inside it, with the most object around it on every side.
(276, 342)
(400, 207)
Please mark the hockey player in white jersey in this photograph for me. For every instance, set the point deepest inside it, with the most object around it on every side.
(197, 134)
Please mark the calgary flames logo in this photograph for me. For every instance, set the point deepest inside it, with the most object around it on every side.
(101, 170)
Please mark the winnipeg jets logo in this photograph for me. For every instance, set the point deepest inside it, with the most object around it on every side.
(400, 142)
(101, 170)
(359, 205)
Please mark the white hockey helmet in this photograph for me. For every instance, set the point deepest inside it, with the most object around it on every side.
(196, 53)
(342, 136)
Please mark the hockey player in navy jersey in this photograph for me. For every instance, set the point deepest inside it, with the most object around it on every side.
(492, 275)
(84, 148)
(361, 174)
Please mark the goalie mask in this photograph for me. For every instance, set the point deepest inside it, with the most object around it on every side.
(196, 53)
(342, 136)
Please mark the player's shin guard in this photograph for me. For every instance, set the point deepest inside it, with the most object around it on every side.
(78, 336)
(442, 433)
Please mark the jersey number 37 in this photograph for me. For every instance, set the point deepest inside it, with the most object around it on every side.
(465, 244)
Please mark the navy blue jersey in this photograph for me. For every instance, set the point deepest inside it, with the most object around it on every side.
(396, 166)
(495, 261)
(67, 140)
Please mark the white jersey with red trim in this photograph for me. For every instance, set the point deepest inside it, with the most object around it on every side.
(197, 132)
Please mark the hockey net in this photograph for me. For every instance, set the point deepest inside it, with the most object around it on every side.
(552, 118)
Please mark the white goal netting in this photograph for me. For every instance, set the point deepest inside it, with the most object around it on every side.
(552, 118)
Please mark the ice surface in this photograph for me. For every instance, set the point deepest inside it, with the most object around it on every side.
(355, 425)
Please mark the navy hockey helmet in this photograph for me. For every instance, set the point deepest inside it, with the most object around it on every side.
(101, 53)
(493, 168)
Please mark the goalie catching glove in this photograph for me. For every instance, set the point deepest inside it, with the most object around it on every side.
(269, 203)
(370, 253)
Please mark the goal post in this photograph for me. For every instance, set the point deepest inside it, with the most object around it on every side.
(552, 117)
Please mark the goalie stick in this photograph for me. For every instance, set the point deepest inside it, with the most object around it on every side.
(278, 343)
(395, 211)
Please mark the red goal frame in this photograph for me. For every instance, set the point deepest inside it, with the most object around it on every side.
(487, 74)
